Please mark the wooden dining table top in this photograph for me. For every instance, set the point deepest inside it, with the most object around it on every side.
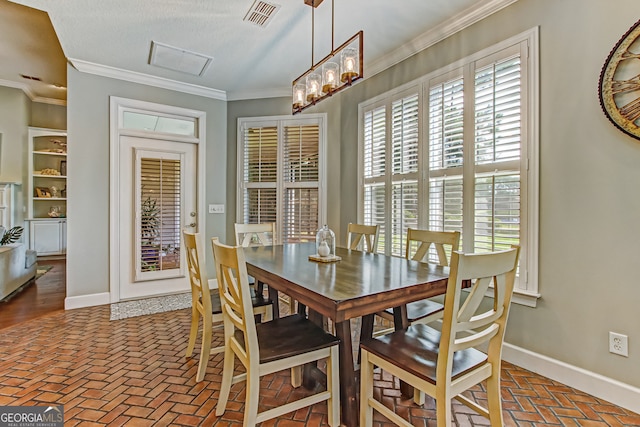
(359, 284)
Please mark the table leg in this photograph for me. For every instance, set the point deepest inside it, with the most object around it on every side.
(401, 321)
(273, 296)
(348, 384)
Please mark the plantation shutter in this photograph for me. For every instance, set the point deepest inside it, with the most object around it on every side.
(374, 170)
(404, 155)
(498, 130)
(260, 174)
(280, 175)
(446, 131)
(300, 176)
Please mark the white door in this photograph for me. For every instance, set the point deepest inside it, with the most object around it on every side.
(157, 199)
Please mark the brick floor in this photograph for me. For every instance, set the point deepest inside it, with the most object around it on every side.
(133, 372)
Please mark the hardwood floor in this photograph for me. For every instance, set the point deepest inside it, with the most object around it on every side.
(42, 296)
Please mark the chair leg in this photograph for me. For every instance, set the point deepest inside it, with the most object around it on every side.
(443, 409)
(251, 399)
(366, 390)
(296, 376)
(227, 379)
(333, 385)
(193, 333)
(494, 401)
(205, 349)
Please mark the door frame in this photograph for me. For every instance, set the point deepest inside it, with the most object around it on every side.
(117, 107)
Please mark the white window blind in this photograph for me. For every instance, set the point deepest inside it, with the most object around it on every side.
(457, 158)
(159, 229)
(280, 174)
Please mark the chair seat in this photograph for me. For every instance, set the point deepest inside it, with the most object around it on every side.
(416, 350)
(289, 336)
(256, 301)
(417, 310)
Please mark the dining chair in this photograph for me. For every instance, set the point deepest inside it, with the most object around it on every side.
(364, 237)
(418, 244)
(268, 347)
(444, 364)
(205, 304)
(263, 234)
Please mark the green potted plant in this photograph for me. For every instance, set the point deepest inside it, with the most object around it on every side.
(11, 235)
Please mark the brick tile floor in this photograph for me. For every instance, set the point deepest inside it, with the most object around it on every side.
(133, 372)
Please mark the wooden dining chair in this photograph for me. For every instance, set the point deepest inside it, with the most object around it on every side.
(418, 244)
(263, 234)
(255, 234)
(362, 237)
(205, 304)
(444, 364)
(268, 347)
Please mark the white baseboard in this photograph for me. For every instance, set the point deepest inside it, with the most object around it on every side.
(597, 385)
(87, 300)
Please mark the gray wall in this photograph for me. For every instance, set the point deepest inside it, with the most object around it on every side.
(14, 120)
(88, 181)
(48, 116)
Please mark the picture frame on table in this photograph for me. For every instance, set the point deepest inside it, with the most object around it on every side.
(43, 192)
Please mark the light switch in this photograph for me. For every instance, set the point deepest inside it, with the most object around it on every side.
(216, 208)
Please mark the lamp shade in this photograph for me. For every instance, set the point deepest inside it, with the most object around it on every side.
(299, 94)
(329, 76)
(350, 64)
(313, 87)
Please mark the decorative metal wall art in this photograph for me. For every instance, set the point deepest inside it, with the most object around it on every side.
(619, 87)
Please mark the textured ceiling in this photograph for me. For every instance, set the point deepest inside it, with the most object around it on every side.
(114, 37)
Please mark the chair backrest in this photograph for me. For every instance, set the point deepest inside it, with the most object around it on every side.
(200, 296)
(366, 235)
(235, 297)
(466, 325)
(419, 242)
(255, 234)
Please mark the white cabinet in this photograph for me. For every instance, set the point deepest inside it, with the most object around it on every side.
(46, 191)
(48, 237)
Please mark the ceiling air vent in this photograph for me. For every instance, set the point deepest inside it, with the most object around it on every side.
(261, 13)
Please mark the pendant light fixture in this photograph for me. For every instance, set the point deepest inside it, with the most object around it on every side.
(334, 72)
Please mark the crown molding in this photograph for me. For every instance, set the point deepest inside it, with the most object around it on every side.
(146, 79)
(32, 96)
(266, 93)
(436, 34)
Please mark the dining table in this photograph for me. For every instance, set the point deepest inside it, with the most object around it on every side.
(360, 284)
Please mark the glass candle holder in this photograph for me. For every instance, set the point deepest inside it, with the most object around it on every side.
(326, 242)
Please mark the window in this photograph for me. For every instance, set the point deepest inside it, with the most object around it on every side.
(456, 151)
(280, 172)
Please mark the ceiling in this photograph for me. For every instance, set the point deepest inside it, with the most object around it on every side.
(114, 38)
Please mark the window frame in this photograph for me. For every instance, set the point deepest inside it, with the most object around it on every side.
(527, 290)
(280, 122)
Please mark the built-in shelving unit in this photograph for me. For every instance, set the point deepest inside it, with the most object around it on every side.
(47, 191)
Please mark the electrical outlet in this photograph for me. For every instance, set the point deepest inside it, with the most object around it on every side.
(618, 344)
